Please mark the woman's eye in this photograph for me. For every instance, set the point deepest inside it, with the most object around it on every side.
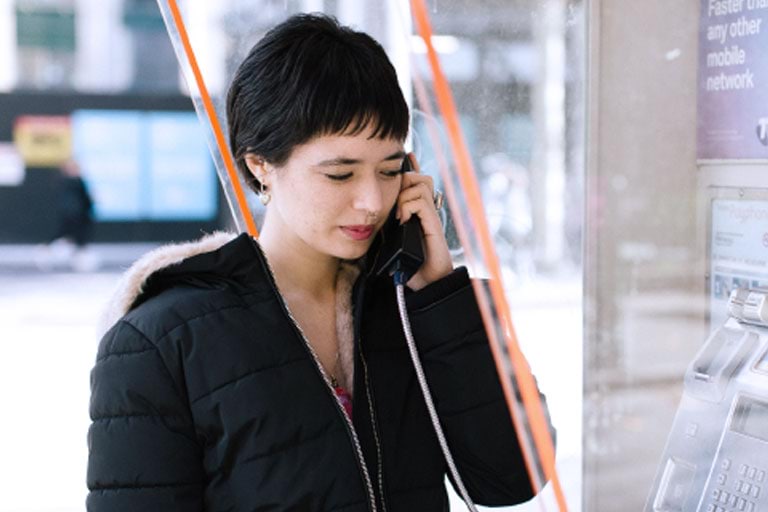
(391, 174)
(339, 177)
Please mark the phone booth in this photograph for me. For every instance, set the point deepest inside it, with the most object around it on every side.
(444, 133)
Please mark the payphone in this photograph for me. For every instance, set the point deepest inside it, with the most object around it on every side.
(716, 457)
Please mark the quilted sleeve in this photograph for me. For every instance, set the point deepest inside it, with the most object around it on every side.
(143, 454)
(462, 375)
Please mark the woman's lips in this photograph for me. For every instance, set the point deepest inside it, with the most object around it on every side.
(358, 233)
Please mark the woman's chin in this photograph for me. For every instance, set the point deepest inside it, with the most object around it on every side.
(351, 251)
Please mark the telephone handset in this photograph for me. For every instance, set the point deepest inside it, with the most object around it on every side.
(403, 246)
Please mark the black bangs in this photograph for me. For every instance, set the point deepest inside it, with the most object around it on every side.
(351, 96)
(308, 77)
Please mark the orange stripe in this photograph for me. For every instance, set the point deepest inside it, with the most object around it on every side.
(526, 383)
(482, 297)
(434, 135)
(463, 233)
(210, 111)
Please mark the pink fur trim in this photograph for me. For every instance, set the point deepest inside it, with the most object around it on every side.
(345, 280)
(132, 282)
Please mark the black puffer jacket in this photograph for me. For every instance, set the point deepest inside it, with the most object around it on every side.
(205, 397)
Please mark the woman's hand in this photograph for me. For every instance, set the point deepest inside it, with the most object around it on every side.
(416, 198)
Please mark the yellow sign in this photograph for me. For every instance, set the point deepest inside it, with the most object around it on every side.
(43, 141)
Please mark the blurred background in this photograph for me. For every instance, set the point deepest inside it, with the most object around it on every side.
(102, 158)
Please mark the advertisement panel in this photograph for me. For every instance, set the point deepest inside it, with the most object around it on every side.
(733, 80)
(144, 165)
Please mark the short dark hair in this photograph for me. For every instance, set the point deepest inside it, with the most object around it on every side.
(310, 76)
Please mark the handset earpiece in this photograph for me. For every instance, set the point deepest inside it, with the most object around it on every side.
(403, 248)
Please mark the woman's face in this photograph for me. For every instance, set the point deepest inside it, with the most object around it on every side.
(335, 192)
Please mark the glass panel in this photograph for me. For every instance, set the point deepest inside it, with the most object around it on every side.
(522, 130)
(676, 203)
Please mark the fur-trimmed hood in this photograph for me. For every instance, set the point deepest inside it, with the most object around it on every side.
(133, 282)
(186, 263)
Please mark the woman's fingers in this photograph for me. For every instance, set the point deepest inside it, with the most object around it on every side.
(416, 198)
(413, 199)
(418, 188)
(415, 184)
(414, 163)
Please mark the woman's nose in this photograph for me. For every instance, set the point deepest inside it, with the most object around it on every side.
(368, 196)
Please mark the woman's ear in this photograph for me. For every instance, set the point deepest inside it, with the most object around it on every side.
(258, 167)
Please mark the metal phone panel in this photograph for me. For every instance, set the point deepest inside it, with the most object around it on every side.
(716, 456)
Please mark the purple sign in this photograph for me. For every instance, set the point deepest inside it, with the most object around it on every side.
(733, 80)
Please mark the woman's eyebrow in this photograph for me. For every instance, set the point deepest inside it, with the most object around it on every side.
(335, 162)
(398, 155)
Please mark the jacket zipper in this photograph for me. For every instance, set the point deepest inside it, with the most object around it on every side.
(369, 399)
(374, 428)
(319, 367)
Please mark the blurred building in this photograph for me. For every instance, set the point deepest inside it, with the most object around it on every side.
(99, 81)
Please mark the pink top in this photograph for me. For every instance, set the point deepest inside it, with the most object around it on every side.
(345, 399)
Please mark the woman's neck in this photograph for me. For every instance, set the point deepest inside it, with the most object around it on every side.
(298, 268)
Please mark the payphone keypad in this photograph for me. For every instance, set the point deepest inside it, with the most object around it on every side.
(716, 458)
(737, 487)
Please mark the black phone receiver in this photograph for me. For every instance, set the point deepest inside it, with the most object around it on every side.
(402, 249)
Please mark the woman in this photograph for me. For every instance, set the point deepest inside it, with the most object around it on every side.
(247, 376)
